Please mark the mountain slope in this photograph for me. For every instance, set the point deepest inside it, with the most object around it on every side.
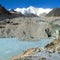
(3, 10)
(54, 12)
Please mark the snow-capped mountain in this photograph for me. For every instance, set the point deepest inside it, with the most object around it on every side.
(33, 10)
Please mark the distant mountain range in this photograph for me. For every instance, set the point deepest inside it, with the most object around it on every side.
(11, 13)
(33, 10)
(29, 12)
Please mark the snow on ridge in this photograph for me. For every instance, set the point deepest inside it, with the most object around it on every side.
(33, 10)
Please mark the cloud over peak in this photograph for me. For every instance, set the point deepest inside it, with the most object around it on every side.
(33, 10)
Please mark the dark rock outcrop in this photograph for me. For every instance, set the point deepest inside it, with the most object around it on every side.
(48, 32)
(54, 12)
(5, 14)
(3, 10)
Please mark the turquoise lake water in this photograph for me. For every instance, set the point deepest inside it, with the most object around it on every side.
(12, 46)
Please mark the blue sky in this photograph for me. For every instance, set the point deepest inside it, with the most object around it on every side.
(26, 3)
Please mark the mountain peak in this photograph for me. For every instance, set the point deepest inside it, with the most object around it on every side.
(31, 7)
(33, 10)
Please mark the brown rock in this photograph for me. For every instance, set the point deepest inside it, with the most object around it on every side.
(54, 12)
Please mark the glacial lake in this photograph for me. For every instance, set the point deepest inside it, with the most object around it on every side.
(12, 46)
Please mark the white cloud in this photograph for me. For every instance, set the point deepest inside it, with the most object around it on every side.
(33, 10)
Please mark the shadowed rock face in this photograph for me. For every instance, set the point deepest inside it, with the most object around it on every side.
(5, 14)
(54, 12)
(3, 10)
